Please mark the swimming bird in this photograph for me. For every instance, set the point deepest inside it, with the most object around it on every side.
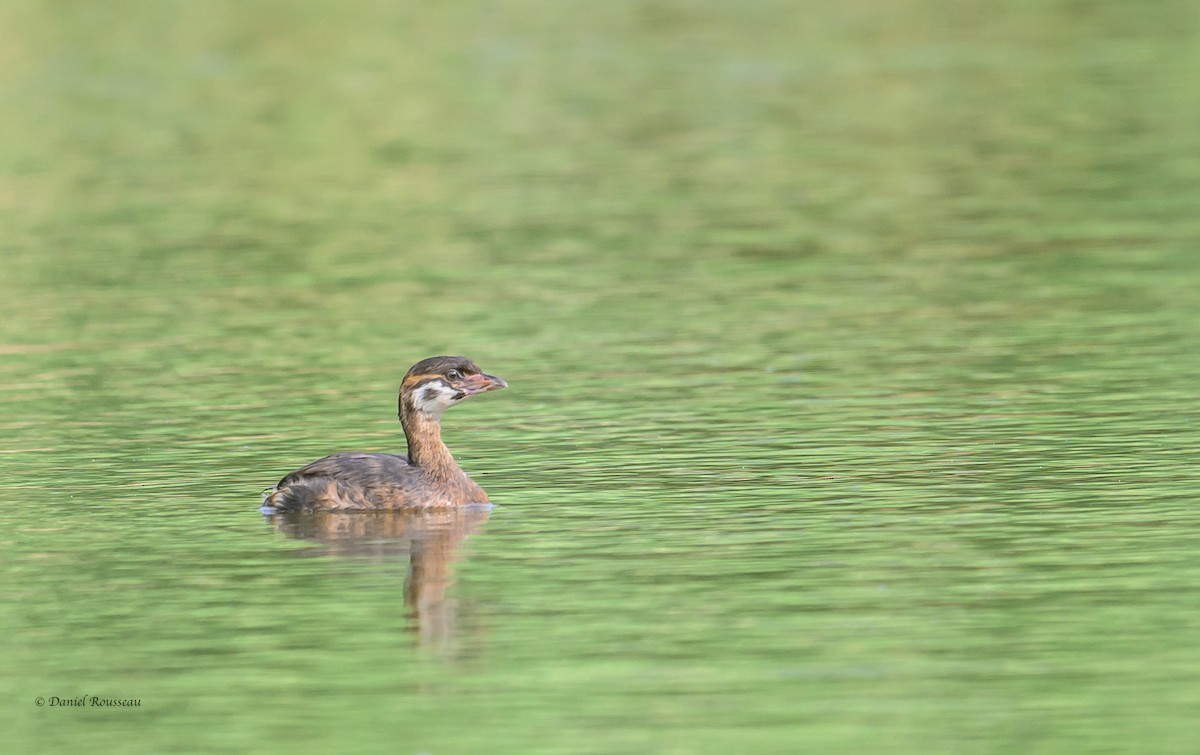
(426, 477)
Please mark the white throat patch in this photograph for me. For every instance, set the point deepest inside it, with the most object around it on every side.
(435, 397)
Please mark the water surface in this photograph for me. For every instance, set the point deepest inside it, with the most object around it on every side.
(852, 356)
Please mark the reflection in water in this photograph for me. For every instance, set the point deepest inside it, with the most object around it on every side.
(428, 540)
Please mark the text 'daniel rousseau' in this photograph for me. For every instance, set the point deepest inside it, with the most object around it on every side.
(87, 701)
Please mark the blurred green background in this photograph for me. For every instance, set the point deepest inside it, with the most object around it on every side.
(852, 349)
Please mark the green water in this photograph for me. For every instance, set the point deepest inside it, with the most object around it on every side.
(852, 351)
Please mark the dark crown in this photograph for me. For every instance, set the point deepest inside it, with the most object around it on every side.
(439, 365)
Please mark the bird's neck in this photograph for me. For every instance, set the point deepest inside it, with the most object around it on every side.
(425, 447)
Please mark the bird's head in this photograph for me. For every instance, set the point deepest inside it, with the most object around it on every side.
(435, 384)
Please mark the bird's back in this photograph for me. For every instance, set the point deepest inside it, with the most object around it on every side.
(353, 481)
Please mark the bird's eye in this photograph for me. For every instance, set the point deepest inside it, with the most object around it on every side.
(454, 375)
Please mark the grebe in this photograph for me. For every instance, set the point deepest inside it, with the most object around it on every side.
(428, 477)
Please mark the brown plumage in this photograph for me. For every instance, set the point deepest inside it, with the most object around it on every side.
(428, 477)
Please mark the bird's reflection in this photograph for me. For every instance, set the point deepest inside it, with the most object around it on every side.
(429, 541)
